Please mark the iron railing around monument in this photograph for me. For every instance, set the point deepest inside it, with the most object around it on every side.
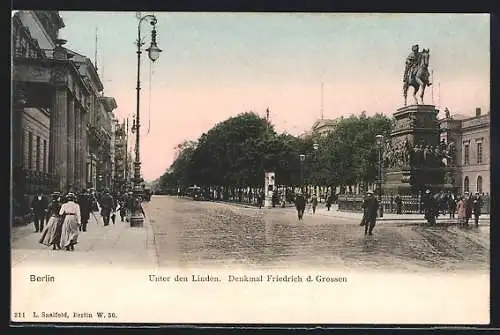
(410, 204)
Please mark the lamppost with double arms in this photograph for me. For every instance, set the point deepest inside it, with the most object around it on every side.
(380, 141)
(153, 54)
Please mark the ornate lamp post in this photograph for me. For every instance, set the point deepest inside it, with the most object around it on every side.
(380, 141)
(153, 54)
(302, 159)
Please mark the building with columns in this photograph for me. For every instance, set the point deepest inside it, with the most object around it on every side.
(103, 143)
(123, 158)
(471, 136)
(55, 95)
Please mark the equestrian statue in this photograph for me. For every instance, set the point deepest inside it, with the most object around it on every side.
(416, 73)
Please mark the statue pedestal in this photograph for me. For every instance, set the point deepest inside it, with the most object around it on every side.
(408, 170)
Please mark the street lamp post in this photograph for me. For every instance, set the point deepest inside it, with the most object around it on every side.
(380, 139)
(302, 159)
(153, 54)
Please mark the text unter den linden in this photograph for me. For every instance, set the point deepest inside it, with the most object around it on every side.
(233, 278)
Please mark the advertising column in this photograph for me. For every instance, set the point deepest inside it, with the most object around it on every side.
(269, 187)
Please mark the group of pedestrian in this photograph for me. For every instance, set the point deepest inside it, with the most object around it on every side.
(67, 215)
(464, 206)
(301, 202)
(64, 220)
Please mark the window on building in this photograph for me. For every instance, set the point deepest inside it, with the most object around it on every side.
(38, 158)
(45, 158)
(479, 187)
(30, 150)
(479, 153)
(466, 184)
(466, 154)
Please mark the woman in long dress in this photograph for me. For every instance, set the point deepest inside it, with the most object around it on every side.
(72, 220)
(461, 211)
(51, 235)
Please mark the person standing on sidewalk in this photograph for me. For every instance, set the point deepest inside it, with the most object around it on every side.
(477, 203)
(399, 204)
(452, 205)
(106, 207)
(430, 207)
(51, 235)
(123, 207)
(370, 209)
(129, 205)
(39, 207)
(468, 207)
(329, 200)
(314, 203)
(461, 211)
(84, 201)
(70, 212)
(300, 205)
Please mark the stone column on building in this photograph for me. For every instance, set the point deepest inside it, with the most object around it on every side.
(83, 147)
(58, 138)
(79, 183)
(70, 135)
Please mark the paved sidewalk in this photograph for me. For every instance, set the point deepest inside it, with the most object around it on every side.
(334, 212)
(116, 244)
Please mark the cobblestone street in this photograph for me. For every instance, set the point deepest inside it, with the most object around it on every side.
(196, 233)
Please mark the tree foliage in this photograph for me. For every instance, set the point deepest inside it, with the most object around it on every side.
(237, 152)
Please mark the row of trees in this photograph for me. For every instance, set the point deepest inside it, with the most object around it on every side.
(236, 152)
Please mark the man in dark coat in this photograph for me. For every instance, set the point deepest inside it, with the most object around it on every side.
(469, 208)
(106, 207)
(430, 207)
(39, 206)
(300, 205)
(399, 204)
(477, 203)
(370, 208)
(85, 202)
(452, 205)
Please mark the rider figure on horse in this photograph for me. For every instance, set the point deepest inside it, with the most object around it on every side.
(412, 62)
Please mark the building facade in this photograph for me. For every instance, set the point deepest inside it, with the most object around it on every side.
(123, 171)
(322, 127)
(471, 137)
(55, 93)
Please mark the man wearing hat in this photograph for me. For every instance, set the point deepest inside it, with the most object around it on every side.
(129, 203)
(39, 207)
(411, 63)
(370, 208)
(85, 203)
(430, 207)
(106, 206)
(468, 207)
(477, 203)
(300, 204)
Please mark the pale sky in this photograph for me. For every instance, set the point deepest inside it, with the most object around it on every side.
(217, 65)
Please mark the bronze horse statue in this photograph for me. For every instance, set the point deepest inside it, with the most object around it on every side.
(418, 77)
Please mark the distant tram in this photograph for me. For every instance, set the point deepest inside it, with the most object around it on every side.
(195, 192)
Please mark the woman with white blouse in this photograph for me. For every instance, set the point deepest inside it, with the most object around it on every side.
(70, 211)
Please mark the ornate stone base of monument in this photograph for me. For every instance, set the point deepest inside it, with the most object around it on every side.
(412, 155)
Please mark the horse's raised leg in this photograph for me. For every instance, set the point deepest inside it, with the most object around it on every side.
(415, 90)
(422, 89)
